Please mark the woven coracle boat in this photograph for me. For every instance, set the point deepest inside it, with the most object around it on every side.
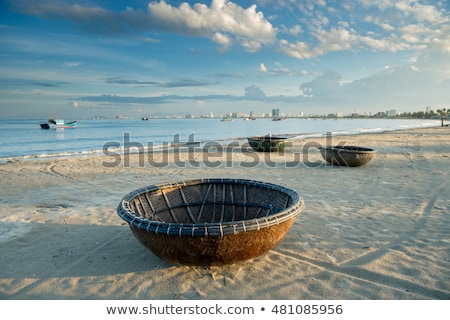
(210, 221)
(351, 156)
(267, 143)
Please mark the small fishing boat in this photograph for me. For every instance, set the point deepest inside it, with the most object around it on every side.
(53, 123)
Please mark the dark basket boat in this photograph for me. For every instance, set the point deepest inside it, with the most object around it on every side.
(267, 143)
(210, 221)
(351, 156)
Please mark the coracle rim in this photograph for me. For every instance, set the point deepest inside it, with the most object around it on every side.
(267, 138)
(349, 149)
(210, 229)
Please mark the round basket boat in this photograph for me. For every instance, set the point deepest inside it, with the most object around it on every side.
(351, 156)
(210, 221)
(267, 143)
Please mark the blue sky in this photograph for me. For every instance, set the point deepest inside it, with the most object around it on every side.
(84, 58)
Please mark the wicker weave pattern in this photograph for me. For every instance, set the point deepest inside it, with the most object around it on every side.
(209, 207)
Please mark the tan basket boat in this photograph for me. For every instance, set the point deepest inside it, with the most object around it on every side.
(210, 221)
(267, 143)
(351, 156)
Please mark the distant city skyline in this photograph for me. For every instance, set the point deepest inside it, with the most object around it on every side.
(87, 58)
(278, 113)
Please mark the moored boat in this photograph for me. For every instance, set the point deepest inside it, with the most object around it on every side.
(53, 123)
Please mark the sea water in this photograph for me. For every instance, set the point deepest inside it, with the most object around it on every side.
(24, 139)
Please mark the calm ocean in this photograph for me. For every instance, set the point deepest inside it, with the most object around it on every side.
(24, 139)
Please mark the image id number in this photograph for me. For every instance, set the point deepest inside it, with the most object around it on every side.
(307, 309)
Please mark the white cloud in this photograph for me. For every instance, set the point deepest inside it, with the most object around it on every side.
(304, 73)
(295, 30)
(254, 92)
(251, 45)
(392, 86)
(387, 27)
(278, 70)
(442, 43)
(150, 40)
(72, 64)
(262, 68)
(247, 26)
(328, 41)
(335, 40)
(385, 44)
(326, 86)
(231, 22)
(395, 25)
(299, 49)
(222, 39)
(307, 6)
(420, 12)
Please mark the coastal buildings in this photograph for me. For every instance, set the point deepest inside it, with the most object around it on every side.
(275, 113)
(427, 112)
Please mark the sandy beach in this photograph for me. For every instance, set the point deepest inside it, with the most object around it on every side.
(381, 231)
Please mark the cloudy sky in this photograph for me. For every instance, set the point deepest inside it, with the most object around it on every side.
(84, 58)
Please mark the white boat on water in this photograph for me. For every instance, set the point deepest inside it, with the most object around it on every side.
(53, 123)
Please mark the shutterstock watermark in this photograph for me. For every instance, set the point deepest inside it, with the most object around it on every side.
(210, 154)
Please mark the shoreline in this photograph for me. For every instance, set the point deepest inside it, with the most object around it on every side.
(374, 232)
(179, 144)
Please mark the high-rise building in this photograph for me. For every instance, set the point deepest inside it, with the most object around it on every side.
(391, 113)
